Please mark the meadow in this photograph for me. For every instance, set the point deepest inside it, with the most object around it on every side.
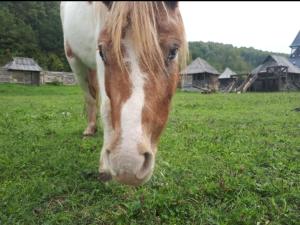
(223, 159)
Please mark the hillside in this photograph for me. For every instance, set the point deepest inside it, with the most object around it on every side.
(33, 29)
(241, 60)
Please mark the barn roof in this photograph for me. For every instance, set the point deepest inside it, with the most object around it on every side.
(296, 42)
(227, 73)
(199, 66)
(276, 60)
(24, 64)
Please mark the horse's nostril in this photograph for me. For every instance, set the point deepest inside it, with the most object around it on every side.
(107, 151)
(147, 165)
(147, 161)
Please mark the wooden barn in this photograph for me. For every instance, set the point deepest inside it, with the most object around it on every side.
(276, 73)
(227, 79)
(200, 76)
(23, 71)
(295, 53)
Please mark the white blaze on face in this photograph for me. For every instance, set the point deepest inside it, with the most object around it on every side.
(131, 112)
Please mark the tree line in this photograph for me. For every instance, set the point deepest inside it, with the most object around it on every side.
(33, 29)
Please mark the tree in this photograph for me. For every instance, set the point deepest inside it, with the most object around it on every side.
(33, 29)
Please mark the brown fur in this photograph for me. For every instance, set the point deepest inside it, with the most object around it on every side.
(163, 86)
(156, 110)
(118, 90)
(93, 83)
(68, 50)
(92, 104)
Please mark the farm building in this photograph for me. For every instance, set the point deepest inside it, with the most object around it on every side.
(22, 70)
(200, 76)
(295, 54)
(27, 71)
(276, 73)
(227, 79)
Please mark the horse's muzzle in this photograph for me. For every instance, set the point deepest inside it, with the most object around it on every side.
(131, 168)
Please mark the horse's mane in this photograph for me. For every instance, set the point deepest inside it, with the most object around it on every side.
(141, 18)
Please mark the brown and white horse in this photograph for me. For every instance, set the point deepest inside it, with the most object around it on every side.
(126, 52)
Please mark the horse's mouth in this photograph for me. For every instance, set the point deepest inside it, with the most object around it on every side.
(104, 176)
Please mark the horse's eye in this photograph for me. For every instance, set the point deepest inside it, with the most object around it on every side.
(172, 53)
(101, 53)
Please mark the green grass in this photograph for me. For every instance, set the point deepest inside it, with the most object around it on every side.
(223, 159)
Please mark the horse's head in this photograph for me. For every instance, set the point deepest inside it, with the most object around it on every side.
(139, 47)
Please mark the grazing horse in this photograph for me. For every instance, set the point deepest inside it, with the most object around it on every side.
(128, 54)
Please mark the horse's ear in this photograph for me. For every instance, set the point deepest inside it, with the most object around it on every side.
(171, 4)
(107, 3)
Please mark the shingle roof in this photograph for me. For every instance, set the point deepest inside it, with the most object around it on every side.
(296, 42)
(295, 61)
(199, 66)
(276, 60)
(227, 73)
(24, 64)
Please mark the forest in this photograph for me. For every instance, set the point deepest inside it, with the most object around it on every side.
(33, 29)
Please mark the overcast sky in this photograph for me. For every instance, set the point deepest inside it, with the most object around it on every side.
(270, 26)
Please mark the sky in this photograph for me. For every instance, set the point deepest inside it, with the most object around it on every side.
(268, 26)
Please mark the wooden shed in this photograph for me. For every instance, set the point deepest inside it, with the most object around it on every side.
(200, 76)
(276, 73)
(24, 71)
(227, 79)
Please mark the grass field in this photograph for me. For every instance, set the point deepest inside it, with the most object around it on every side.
(223, 159)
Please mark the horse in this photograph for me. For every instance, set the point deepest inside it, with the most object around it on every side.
(126, 55)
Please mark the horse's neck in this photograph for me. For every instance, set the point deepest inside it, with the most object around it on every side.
(100, 13)
(82, 23)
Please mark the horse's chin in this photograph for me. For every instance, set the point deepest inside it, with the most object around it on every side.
(126, 179)
(105, 176)
(131, 180)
